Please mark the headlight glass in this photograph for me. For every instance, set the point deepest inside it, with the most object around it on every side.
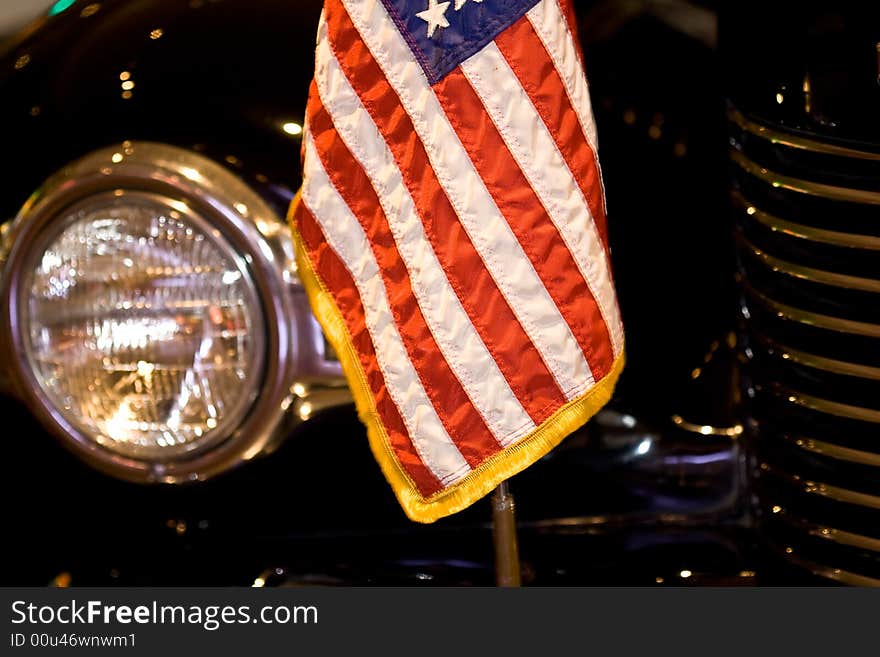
(143, 326)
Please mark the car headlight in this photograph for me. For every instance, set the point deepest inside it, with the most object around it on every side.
(143, 326)
(155, 311)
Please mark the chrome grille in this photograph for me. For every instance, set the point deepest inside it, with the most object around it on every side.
(807, 216)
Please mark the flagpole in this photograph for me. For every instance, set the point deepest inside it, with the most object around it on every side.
(507, 567)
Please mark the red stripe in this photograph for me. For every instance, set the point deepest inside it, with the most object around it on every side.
(517, 358)
(568, 13)
(528, 219)
(338, 281)
(527, 56)
(462, 421)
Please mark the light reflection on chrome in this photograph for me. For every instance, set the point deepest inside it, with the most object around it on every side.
(201, 199)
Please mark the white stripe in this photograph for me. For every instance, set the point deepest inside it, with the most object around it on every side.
(549, 22)
(533, 147)
(347, 239)
(491, 235)
(450, 325)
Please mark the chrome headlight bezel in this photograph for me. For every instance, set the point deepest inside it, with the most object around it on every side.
(247, 223)
(151, 204)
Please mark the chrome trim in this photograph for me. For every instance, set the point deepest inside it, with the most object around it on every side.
(5, 244)
(837, 452)
(800, 186)
(295, 345)
(796, 141)
(802, 231)
(836, 574)
(827, 406)
(808, 273)
(809, 318)
(839, 536)
(706, 429)
(829, 491)
(820, 362)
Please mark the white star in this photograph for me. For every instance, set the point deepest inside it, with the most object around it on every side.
(434, 16)
(460, 3)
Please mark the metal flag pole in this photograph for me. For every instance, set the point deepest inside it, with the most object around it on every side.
(507, 567)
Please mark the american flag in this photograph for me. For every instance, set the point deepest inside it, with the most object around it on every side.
(451, 235)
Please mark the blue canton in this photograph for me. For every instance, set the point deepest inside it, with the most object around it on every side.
(444, 34)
